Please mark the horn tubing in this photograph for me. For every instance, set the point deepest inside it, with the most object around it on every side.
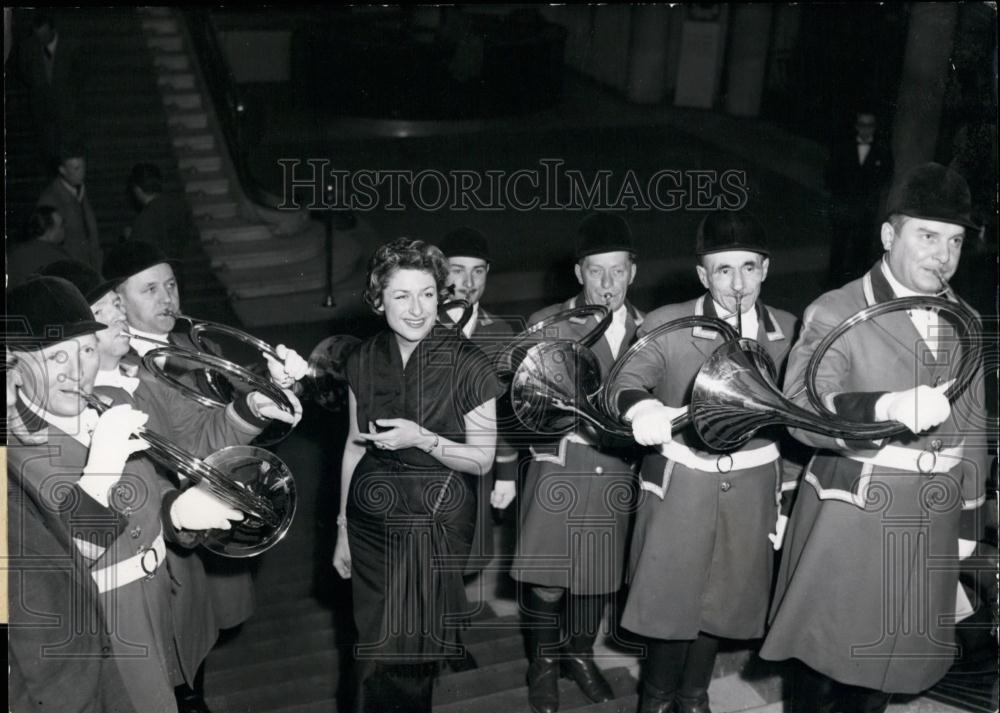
(175, 458)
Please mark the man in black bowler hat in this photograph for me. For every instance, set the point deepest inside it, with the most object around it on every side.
(571, 548)
(867, 595)
(151, 300)
(707, 523)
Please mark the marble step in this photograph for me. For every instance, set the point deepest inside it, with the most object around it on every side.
(195, 119)
(165, 42)
(233, 230)
(174, 61)
(206, 184)
(181, 100)
(178, 81)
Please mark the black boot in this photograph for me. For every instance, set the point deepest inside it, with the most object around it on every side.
(543, 638)
(584, 616)
(814, 693)
(397, 688)
(191, 699)
(655, 700)
(698, 666)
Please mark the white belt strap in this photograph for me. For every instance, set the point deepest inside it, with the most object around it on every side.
(143, 564)
(723, 463)
(911, 459)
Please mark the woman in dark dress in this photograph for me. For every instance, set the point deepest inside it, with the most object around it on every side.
(422, 409)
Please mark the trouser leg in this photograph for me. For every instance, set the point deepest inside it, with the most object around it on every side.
(698, 666)
(542, 618)
(583, 616)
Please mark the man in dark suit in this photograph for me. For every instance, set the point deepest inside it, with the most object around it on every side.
(857, 177)
(68, 194)
(164, 220)
(50, 66)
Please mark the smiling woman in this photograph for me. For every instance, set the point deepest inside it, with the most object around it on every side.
(426, 401)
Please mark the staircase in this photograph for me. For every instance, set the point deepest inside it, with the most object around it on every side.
(124, 122)
(272, 262)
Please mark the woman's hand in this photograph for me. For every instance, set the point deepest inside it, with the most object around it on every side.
(342, 556)
(402, 433)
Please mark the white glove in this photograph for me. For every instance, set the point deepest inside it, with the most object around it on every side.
(290, 369)
(264, 407)
(651, 422)
(110, 446)
(777, 537)
(919, 409)
(198, 509)
(504, 492)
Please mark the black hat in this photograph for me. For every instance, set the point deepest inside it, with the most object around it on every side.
(933, 192)
(465, 242)
(725, 230)
(131, 258)
(85, 278)
(53, 310)
(603, 233)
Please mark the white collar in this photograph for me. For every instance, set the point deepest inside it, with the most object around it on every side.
(620, 315)
(80, 427)
(898, 288)
(51, 46)
(72, 189)
(143, 346)
(115, 377)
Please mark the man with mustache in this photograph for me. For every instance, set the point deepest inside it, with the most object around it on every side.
(867, 594)
(700, 561)
(148, 290)
(571, 547)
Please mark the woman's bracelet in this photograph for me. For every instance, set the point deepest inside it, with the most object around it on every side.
(437, 440)
(342, 521)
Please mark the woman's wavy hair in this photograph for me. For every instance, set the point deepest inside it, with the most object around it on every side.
(403, 254)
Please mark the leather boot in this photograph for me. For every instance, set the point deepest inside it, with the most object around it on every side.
(584, 615)
(655, 700)
(543, 640)
(693, 702)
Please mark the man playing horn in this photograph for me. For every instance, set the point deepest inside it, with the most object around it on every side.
(700, 559)
(149, 296)
(578, 493)
(866, 594)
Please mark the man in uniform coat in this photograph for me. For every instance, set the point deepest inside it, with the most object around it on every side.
(107, 507)
(578, 493)
(149, 295)
(700, 562)
(866, 595)
(468, 254)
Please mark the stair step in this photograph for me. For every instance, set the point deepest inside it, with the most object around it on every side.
(165, 42)
(193, 141)
(325, 705)
(238, 653)
(187, 119)
(222, 207)
(233, 231)
(210, 184)
(503, 688)
(300, 307)
(181, 100)
(177, 81)
(176, 61)
(276, 629)
(261, 253)
(293, 667)
(199, 162)
(160, 25)
(269, 696)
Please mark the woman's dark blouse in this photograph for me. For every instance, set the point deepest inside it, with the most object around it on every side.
(445, 378)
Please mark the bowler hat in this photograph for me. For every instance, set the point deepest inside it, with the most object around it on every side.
(933, 192)
(465, 242)
(131, 258)
(725, 230)
(85, 278)
(603, 233)
(53, 310)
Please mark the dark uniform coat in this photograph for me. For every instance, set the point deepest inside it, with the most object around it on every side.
(200, 431)
(490, 333)
(579, 493)
(700, 558)
(867, 587)
(137, 614)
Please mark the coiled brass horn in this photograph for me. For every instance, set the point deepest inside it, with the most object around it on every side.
(733, 397)
(250, 479)
(507, 360)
